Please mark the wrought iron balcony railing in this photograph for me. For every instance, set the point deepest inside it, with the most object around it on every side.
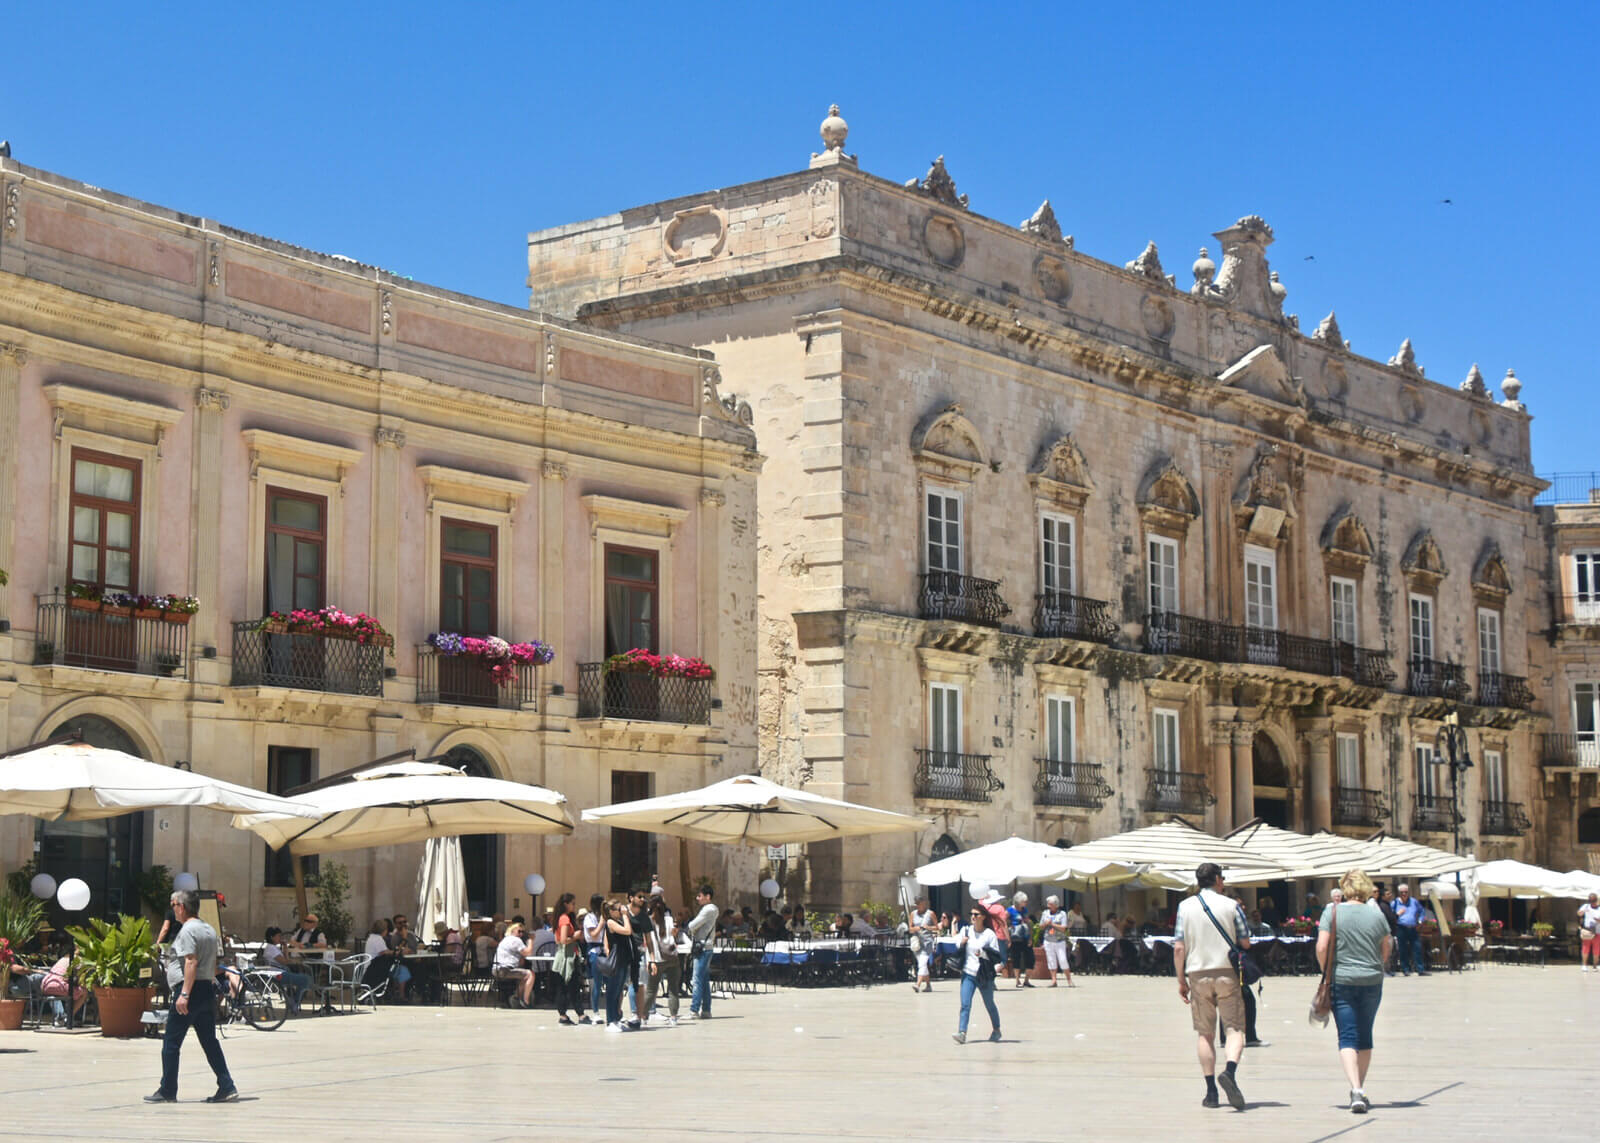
(108, 640)
(1176, 792)
(1570, 488)
(1581, 750)
(1496, 689)
(464, 680)
(1353, 806)
(1168, 633)
(1081, 784)
(307, 662)
(1435, 678)
(641, 697)
(1367, 667)
(966, 598)
(955, 777)
(1505, 819)
(1057, 615)
(1435, 813)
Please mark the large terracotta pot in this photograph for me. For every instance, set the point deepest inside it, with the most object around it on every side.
(1041, 966)
(120, 1009)
(11, 1014)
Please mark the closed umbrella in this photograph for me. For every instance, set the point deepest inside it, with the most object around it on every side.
(75, 781)
(441, 886)
(1178, 848)
(750, 810)
(410, 801)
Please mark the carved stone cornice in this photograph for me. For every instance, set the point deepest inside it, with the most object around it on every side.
(713, 497)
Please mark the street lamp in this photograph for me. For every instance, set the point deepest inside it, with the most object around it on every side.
(1450, 749)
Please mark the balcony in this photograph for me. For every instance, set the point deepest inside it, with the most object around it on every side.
(1077, 784)
(1579, 750)
(1435, 678)
(1176, 792)
(1505, 819)
(1496, 689)
(1435, 814)
(1581, 610)
(1168, 633)
(1356, 807)
(108, 640)
(1367, 667)
(1570, 488)
(1060, 616)
(954, 777)
(309, 662)
(642, 697)
(964, 598)
(464, 680)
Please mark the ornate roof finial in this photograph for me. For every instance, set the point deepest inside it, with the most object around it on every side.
(834, 130)
(1512, 388)
(1277, 288)
(1474, 383)
(1328, 332)
(938, 184)
(1204, 270)
(1043, 224)
(1147, 264)
(1406, 359)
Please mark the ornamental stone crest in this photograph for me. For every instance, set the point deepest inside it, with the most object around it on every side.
(1148, 264)
(1328, 333)
(1405, 359)
(938, 185)
(1043, 224)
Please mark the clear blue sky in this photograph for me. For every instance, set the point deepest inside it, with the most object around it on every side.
(431, 139)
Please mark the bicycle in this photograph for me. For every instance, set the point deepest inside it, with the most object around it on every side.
(260, 1001)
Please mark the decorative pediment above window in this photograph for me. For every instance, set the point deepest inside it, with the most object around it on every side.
(1346, 544)
(1422, 564)
(945, 442)
(113, 416)
(474, 489)
(1060, 476)
(1262, 505)
(1491, 583)
(1264, 373)
(1167, 500)
(633, 516)
(278, 452)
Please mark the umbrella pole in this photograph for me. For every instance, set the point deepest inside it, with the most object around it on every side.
(683, 874)
(299, 888)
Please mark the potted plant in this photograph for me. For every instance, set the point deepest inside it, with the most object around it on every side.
(1300, 926)
(83, 596)
(177, 608)
(117, 603)
(1496, 928)
(144, 607)
(116, 961)
(168, 662)
(1543, 930)
(20, 918)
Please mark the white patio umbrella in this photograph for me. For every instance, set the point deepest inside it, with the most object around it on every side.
(1034, 862)
(1411, 859)
(1176, 847)
(441, 886)
(1516, 879)
(79, 782)
(1305, 855)
(410, 801)
(1579, 883)
(750, 810)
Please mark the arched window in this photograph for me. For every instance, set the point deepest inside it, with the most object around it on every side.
(481, 853)
(107, 854)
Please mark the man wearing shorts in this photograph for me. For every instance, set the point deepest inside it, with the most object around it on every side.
(1589, 932)
(1208, 982)
(1057, 948)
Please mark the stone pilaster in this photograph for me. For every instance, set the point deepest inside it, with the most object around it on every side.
(1221, 551)
(12, 359)
(383, 586)
(552, 588)
(1244, 772)
(1222, 772)
(707, 567)
(1319, 747)
(207, 628)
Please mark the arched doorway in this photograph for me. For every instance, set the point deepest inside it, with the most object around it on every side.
(1271, 805)
(945, 898)
(108, 854)
(482, 854)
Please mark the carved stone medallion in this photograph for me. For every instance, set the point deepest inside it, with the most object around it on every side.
(945, 243)
(1335, 378)
(1054, 281)
(1159, 320)
(695, 235)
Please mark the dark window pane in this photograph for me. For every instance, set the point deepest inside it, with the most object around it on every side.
(465, 540)
(291, 512)
(480, 583)
(478, 621)
(287, 767)
(631, 565)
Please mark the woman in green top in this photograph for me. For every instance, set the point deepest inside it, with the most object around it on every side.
(1359, 945)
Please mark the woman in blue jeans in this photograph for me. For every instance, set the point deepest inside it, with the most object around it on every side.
(1356, 935)
(618, 932)
(983, 953)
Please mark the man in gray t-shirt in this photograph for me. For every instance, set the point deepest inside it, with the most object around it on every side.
(192, 974)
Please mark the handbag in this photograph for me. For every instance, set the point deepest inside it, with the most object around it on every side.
(916, 943)
(1322, 1000)
(610, 962)
(1244, 965)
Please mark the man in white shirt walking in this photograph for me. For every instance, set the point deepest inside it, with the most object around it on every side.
(1209, 927)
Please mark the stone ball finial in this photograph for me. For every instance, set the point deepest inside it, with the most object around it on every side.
(1512, 388)
(1204, 268)
(1279, 290)
(834, 130)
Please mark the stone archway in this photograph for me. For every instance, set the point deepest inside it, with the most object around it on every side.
(1271, 775)
(107, 854)
(482, 854)
(945, 898)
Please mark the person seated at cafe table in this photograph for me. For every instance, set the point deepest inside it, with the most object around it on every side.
(508, 965)
(1077, 923)
(294, 983)
(384, 963)
(1110, 928)
(773, 927)
(448, 941)
(402, 940)
(308, 935)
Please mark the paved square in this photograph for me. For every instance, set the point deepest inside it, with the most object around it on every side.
(1507, 1052)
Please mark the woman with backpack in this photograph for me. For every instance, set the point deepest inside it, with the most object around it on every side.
(977, 975)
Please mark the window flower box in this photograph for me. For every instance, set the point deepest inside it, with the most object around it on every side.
(329, 623)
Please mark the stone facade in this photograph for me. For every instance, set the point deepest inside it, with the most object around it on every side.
(947, 402)
(223, 391)
(1570, 753)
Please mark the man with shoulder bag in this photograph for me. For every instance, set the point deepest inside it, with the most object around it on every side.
(1209, 929)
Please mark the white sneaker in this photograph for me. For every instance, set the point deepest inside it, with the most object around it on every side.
(613, 1027)
(672, 1021)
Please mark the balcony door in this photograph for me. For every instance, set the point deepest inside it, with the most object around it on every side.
(296, 579)
(1494, 777)
(105, 556)
(1162, 573)
(944, 738)
(1348, 760)
(1586, 721)
(1488, 643)
(632, 600)
(1055, 552)
(633, 852)
(1586, 586)
(467, 597)
(944, 534)
(1427, 775)
(1060, 745)
(1421, 627)
(1342, 600)
(1261, 603)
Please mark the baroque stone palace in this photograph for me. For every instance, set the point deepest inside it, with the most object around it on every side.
(1056, 547)
(186, 408)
